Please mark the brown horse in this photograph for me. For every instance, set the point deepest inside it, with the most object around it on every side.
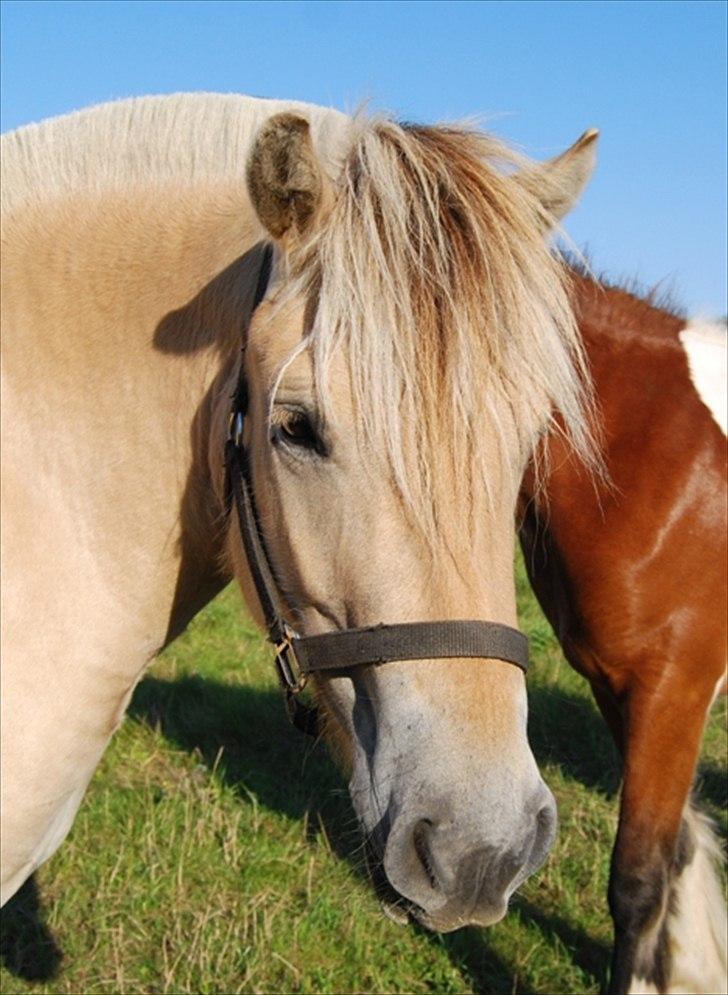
(632, 577)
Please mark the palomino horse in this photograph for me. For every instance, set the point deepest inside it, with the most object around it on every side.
(415, 337)
(632, 576)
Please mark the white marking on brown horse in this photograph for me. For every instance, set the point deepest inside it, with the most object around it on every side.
(698, 922)
(695, 919)
(706, 345)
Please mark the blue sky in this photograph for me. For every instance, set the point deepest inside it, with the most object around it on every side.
(650, 75)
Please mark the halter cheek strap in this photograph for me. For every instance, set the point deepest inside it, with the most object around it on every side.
(298, 656)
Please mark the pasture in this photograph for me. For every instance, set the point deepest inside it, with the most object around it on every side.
(216, 850)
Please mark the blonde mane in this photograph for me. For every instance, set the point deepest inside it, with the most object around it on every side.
(182, 138)
(433, 275)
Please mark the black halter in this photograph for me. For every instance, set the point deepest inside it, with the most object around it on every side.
(298, 656)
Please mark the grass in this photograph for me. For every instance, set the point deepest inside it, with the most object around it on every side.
(216, 850)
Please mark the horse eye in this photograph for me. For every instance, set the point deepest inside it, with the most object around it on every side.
(294, 428)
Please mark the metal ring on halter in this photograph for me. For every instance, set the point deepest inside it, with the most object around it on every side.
(289, 668)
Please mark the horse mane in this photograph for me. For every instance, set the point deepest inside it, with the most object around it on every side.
(658, 297)
(433, 274)
(142, 141)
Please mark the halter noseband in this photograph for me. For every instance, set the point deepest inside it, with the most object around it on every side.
(298, 656)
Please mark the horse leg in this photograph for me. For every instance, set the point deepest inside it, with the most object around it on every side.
(664, 892)
(58, 715)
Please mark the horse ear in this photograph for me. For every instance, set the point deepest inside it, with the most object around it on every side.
(285, 180)
(558, 183)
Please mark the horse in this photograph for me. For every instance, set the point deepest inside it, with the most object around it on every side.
(403, 359)
(630, 571)
(381, 304)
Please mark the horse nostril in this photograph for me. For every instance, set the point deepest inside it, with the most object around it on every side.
(543, 836)
(421, 841)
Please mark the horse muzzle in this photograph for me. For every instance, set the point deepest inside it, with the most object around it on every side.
(446, 877)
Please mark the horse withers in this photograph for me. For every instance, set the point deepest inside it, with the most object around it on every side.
(415, 338)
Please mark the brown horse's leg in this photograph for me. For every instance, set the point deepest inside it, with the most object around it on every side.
(663, 892)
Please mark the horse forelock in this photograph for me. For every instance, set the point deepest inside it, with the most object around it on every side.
(433, 277)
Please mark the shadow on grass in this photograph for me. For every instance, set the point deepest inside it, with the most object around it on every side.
(486, 972)
(711, 794)
(567, 730)
(27, 947)
(262, 754)
(588, 954)
(289, 774)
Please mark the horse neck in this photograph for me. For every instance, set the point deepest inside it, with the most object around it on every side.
(638, 363)
(113, 366)
(610, 316)
(624, 333)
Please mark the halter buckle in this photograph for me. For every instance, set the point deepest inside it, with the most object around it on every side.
(292, 678)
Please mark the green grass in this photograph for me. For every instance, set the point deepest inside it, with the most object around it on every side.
(216, 850)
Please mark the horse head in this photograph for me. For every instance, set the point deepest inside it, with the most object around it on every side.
(413, 343)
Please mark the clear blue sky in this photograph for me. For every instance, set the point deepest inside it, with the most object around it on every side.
(650, 75)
